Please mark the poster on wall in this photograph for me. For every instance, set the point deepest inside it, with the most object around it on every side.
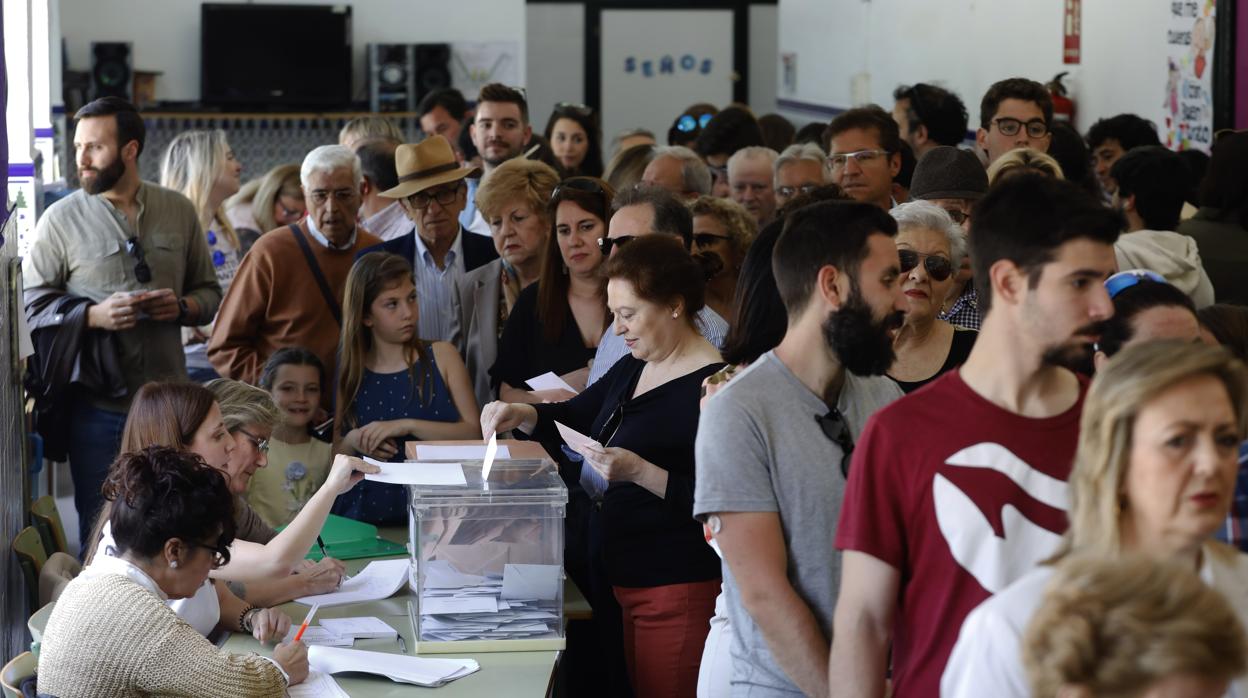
(1188, 105)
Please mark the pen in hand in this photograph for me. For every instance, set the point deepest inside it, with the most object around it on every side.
(320, 543)
(306, 620)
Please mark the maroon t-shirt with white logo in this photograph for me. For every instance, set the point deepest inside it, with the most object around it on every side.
(963, 498)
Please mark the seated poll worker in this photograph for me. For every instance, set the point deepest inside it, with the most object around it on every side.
(112, 632)
(186, 416)
(643, 415)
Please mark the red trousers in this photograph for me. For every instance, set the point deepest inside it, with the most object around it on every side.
(665, 628)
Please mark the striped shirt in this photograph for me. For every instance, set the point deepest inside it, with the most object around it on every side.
(611, 347)
(1235, 530)
(435, 290)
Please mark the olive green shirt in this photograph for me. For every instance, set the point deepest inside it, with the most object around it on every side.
(80, 247)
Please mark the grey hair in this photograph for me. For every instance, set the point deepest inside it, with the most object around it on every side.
(327, 158)
(925, 214)
(750, 153)
(693, 171)
(799, 152)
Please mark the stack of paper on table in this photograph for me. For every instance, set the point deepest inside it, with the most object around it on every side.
(522, 603)
(317, 685)
(360, 628)
(379, 580)
(422, 671)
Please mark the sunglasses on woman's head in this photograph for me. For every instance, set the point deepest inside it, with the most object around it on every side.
(938, 267)
(583, 184)
(688, 123)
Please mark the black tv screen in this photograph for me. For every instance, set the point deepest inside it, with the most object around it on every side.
(276, 56)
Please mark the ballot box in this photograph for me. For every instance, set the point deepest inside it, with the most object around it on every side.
(487, 558)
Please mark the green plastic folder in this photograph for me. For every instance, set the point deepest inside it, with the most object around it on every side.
(348, 539)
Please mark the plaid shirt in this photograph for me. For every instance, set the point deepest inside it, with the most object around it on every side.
(1235, 530)
(965, 310)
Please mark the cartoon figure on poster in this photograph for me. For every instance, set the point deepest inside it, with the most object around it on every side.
(1188, 102)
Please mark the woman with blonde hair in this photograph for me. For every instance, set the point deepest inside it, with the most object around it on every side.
(201, 165)
(723, 228)
(1132, 626)
(1154, 474)
(266, 203)
(1023, 160)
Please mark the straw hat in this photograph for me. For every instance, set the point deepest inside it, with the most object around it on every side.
(426, 164)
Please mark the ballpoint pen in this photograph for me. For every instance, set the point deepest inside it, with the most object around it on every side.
(320, 542)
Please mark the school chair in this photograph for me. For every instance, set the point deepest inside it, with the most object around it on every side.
(28, 546)
(16, 671)
(39, 621)
(47, 519)
(57, 573)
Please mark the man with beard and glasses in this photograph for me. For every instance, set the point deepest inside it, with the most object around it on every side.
(773, 444)
(959, 488)
(126, 259)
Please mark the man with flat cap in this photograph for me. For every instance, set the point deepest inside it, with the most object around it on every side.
(954, 180)
(433, 193)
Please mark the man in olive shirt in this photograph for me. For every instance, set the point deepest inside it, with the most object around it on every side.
(135, 250)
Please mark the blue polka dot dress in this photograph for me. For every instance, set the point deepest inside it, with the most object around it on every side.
(384, 397)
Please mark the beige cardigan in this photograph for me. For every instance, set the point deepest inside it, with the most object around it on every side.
(109, 636)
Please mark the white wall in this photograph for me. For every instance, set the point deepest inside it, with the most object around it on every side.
(166, 33)
(764, 57)
(556, 58)
(966, 45)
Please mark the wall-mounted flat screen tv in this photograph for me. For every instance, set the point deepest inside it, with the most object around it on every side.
(275, 56)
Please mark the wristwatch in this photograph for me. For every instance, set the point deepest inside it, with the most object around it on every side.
(184, 311)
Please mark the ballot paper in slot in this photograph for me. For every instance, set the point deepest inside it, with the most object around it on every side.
(379, 580)
(422, 671)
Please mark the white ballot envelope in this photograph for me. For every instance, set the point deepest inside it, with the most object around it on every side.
(549, 381)
(539, 582)
(417, 473)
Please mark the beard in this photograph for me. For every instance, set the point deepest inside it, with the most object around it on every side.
(861, 343)
(105, 179)
(1074, 356)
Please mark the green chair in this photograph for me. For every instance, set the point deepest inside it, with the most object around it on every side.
(28, 546)
(47, 519)
(11, 677)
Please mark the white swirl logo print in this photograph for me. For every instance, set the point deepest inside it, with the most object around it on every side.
(996, 561)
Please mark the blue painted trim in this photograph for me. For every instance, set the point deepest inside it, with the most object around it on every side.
(44, 132)
(22, 169)
(59, 109)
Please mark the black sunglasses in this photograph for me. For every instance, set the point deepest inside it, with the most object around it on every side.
(575, 108)
(938, 267)
(708, 239)
(605, 244)
(589, 185)
(220, 554)
(836, 429)
(142, 272)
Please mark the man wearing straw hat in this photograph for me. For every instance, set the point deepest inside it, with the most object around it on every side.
(433, 193)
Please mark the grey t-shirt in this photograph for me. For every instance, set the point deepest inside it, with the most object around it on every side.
(760, 449)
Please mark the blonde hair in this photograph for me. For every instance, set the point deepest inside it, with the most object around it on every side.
(1021, 159)
(1135, 376)
(262, 193)
(532, 181)
(243, 404)
(362, 128)
(1115, 627)
(740, 224)
(190, 166)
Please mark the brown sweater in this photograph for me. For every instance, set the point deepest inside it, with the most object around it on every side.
(274, 302)
(108, 637)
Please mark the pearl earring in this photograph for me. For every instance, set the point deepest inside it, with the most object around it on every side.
(174, 564)
(675, 314)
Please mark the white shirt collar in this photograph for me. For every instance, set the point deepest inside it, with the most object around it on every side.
(316, 234)
(388, 223)
(453, 255)
(107, 564)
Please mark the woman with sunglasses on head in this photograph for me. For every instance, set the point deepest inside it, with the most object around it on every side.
(572, 133)
(930, 247)
(112, 632)
(688, 126)
(556, 323)
(643, 416)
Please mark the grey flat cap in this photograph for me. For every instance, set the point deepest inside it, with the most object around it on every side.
(945, 172)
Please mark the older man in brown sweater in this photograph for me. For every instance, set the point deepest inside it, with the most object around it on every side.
(289, 287)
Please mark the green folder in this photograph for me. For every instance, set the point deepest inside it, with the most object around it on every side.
(348, 539)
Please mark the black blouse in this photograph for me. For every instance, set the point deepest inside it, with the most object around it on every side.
(523, 351)
(648, 541)
(959, 350)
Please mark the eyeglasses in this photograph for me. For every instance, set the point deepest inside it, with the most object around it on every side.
(588, 185)
(836, 429)
(605, 244)
(612, 425)
(220, 555)
(688, 123)
(262, 445)
(421, 199)
(289, 212)
(142, 272)
(708, 239)
(838, 161)
(1008, 126)
(321, 196)
(1124, 280)
(938, 267)
(790, 192)
(574, 107)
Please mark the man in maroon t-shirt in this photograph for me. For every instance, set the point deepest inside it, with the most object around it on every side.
(958, 489)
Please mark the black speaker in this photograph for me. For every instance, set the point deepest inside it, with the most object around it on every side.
(391, 77)
(433, 67)
(112, 72)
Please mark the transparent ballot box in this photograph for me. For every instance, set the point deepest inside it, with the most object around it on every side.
(487, 559)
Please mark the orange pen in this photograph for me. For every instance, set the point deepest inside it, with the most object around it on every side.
(304, 625)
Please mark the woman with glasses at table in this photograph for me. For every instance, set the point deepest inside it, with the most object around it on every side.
(724, 229)
(930, 247)
(574, 137)
(643, 418)
(556, 323)
(112, 632)
(201, 165)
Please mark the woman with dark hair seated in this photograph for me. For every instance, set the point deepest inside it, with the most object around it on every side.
(172, 518)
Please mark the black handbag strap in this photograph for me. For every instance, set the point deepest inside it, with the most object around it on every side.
(332, 302)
